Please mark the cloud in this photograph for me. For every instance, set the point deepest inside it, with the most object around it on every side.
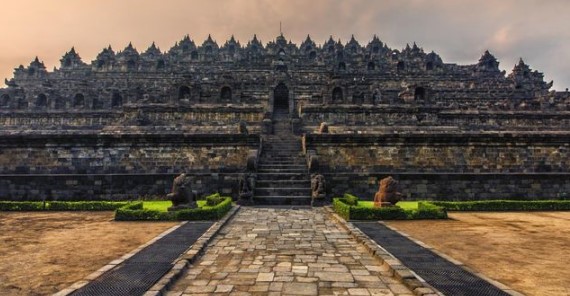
(458, 30)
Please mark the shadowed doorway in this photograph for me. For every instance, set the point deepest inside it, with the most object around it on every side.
(281, 98)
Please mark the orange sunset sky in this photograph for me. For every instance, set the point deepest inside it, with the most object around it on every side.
(459, 30)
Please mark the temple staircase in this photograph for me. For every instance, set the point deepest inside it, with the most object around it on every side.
(282, 175)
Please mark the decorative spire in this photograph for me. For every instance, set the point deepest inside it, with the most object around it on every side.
(129, 51)
(71, 58)
(488, 63)
(37, 64)
(152, 50)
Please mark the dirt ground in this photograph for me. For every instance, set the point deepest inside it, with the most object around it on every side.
(42, 253)
(530, 252)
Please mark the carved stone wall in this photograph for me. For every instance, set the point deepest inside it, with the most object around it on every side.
(448, 166)
(97, 166)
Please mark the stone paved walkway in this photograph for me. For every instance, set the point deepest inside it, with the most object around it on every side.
(264, 251)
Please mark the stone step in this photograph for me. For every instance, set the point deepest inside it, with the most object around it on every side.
(280, 155)
(279, 148)
(282, 149)
(269, 156)
(267, 164)
(281, 166)
(278, 144)
(305, 183)
(282, 200)
(269, 191)
(282, 176)
(292, 161)
(282, 170)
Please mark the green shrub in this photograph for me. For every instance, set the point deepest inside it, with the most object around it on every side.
(135, 211)
(60, 205)
(341, 208)
(505, 205)
(427, 210)
(84, 205)
(350, 199)
(22, 206)
(383, 213)
(214, 199)
(363, 211)
(207, 212)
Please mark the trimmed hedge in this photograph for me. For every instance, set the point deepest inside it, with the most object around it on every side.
(350, 199)
(425, 210)
(136, 212)
(341, 207)
(505, 205)
(61, 205)
(214, 199)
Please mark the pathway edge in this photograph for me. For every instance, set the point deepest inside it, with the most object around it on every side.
(189, 256)
(499, 285)
(111, 265)
(405, 275)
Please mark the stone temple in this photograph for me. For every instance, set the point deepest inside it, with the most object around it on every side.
(258, 119)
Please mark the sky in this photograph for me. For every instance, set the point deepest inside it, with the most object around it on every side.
(459, 30)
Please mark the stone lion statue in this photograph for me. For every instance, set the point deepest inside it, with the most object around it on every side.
(181, 195)
(387, 194)
(318, 189)
(247, 186)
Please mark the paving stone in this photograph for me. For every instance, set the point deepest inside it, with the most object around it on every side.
(358, 292)
(335, 276)
(224, 288)
(300, 289)
(398, 288)
(366, 278)
(265, 277)
(313, 257)
(300, 269)
(259, 287)
(200, 289)
(380, 292)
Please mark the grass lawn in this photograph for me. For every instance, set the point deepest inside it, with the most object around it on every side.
(163, 205)
(406, 205)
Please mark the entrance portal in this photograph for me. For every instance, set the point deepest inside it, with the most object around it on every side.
(281, 97)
